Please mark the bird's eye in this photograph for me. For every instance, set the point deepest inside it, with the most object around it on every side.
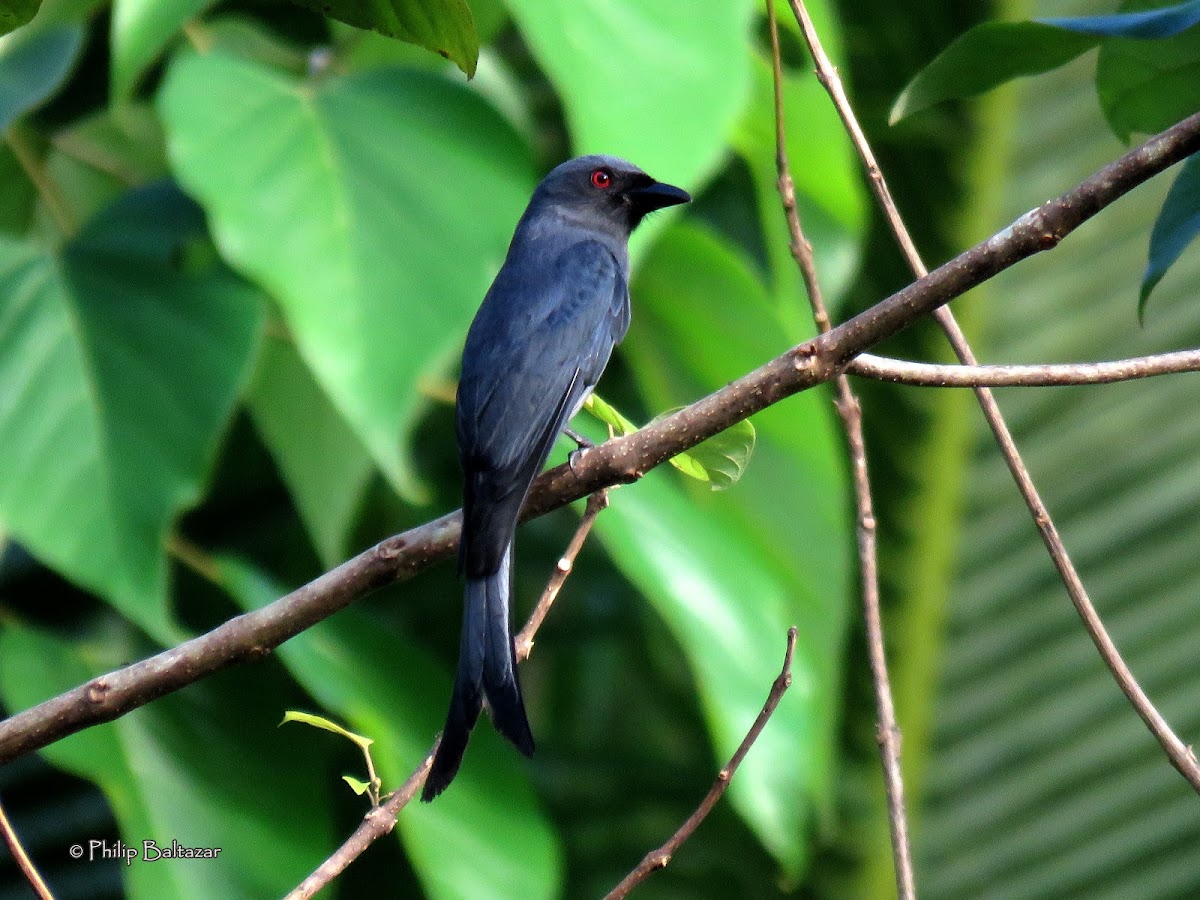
(601, 178)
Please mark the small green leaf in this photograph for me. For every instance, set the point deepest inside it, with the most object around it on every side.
(987, 56)
(1177, 225)
(140, 31)
(325, 724)
(359, 787)
(721, 459)
(443, 26)
(33, 64)
(718, 461)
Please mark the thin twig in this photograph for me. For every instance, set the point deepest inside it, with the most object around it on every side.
(40, 890)
(850, 412)
(566, 564)
(21, 144)
(1181, 756)
(902, 371)
(619, 461)
(378, 822)
(658, 859)
(382, 819)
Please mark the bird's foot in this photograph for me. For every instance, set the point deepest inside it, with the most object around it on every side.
(574, 457)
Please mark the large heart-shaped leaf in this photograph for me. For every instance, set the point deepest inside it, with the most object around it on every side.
(650, 80)
(484, 837)
(376, 207)
(206, 768)
(121, 358)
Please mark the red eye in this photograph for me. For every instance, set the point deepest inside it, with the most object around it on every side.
(601, 179)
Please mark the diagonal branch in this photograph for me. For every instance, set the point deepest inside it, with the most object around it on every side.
(658, 859)
(1182, 757)
(36, 884)
(621, 460)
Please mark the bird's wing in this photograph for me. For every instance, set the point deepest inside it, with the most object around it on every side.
(532, 356)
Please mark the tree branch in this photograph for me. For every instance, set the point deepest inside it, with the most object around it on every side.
(900, 371)
(621, 460)
(658, 859)
(850, 412)
(1182, 757)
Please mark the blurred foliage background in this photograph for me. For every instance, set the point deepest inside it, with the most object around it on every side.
(240, 244)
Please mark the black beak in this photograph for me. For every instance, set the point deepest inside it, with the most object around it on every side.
(656, 195)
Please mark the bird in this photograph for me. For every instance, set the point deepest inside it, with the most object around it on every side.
(535, 350)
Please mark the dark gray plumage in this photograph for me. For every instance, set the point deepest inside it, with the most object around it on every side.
(537, 347)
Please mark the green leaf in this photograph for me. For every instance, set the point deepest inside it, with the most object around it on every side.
(205, 767)
(323, 464)
(443, 26)
(648, 80)
(486, 836)
(15, 13)
(718, 461)
(33, 64)
(987, 56)
(730, 612)
(140, 31)
(716, 566)
(324, 724)
(1177, 225)
(359, 787)
(124, 355)
(723, 458)
(1146, 86)
(376, 207)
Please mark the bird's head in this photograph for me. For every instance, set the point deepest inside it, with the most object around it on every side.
(606, 193)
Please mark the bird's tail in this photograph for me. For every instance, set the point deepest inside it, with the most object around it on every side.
(486, 667)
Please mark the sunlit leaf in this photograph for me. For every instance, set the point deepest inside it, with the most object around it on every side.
(325, 724)
(376, 207)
